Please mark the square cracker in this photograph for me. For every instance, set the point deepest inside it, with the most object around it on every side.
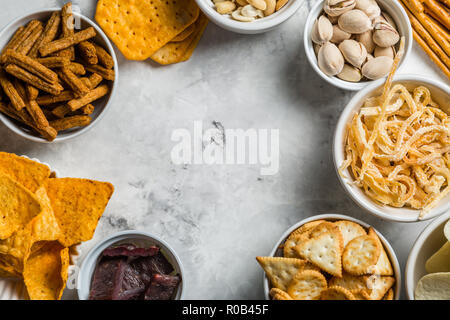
(175, 52)
(139, 28)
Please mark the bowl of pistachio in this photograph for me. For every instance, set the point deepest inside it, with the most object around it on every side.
(350, 43)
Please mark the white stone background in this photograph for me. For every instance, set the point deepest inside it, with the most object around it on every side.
(218, 218)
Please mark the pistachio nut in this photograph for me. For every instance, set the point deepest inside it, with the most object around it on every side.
(388, 19)
(354, 52)
(316, 48)
(387, 52)
(335, 8)
(369, 57)
(350, 73)
(332, 19)
(339, 35)
(322, 30)
(369, 7)
(366, 39)
(384, 35)
(355, 22)
(377, 68)
(330, 59)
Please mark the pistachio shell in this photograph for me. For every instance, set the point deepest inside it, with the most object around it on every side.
(389, 19)
(339, 35)
(350, 73)
(316, 48)
(354, 52)
(322, 30)
(330, 59)
(337, 7)
(369, 7)
(384, 35)
(366, 39)
(387, 52)
(355, 22)
(377, 68)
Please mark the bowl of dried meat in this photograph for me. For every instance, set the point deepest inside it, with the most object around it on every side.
(131, 265)
(331, 257)
(58, 74)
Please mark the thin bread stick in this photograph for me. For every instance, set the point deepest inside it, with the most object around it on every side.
(95, 79)
(32, 92)
(93, 95)
(431, 54)
(87, 52)
(52, 99)
(15, 40)
(31, 65)
(74, 82)
(70, 122)
(11, 92)
(68, 30)
(28, 43)
(39, 119)
(54, 62)
(48, 35)
(64, 43)
(18, 72)
(77, 68)
(104, 58)
(107, 74)
(439, 11)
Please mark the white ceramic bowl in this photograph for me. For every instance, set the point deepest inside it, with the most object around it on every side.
(440, 93)
(393, 8)
(428, 243)
(257, 26)
(334, 217)
(135, 237)
(101, 106)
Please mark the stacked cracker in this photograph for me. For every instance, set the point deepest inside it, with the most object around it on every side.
(430, 20)
(50, 75)
(325, 260)
(165, 31)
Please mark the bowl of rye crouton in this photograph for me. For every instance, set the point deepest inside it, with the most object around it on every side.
(331, 257)
(58, 75)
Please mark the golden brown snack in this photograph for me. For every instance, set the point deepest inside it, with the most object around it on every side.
(39, 119)
(77, 68)
(51, 99)
(93, 95)
(104, 58)
(95, 79)
(67, 42)
(70, 122)
(54, 62)
(68, 30)
(73, 81)
(29, 42)
(87, 52)
(11, 91)
(107, 74)
(48, 35)
(18, 72)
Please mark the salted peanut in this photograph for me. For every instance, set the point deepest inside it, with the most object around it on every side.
(242, 3)
(48, 35)
(52, 99)
(87, 52)
(67, 42)
(68, 30)
(70, 122)
(31, 65)
(32, 92)
(107, 74)
(258, 4)
(280, 4)
(29, 42)
(95, 79)
(225, 7)
(18, 72)
(93, 95)
(54, 62)
(77, 68)
(104, 58)
(74, 82)
(11, 92)
(37, 115)
(270, 7)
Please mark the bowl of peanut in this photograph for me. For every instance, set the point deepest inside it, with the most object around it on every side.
(249, 16)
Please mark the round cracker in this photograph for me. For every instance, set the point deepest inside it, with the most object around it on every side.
(350, 230)
(337, 293)
(359, 254)
(278, 294)
(307, 285)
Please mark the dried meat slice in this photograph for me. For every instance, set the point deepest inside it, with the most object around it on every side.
(106, 276)
(162, 287)
(130, 250)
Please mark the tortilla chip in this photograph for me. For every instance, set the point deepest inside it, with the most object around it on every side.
(7, 270)
(17, 206)
(140, 28)
(29, 173)
(175, 52)
(45, 272)
(78, 204)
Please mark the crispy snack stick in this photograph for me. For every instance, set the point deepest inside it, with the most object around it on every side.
(61, 111)
(438, 11)
(39, 119)
(426, 23)
(68, 30)
(74, 82)
(438, 26)
(32, 92)
(52, 99)
(93, 95)
(20, 89)
(87, 109)
(31, 65)
(21, 36)
(445, 3)
(87, 52)
(434, 46)
(70, 122)
(431, 54)
(11, 92)
(95, 79)
(18, 72)
(77, 68)
(107, 74)
(54, 62)
(15, 40)
(29, 42)
(64, 43)
(104, 58)
(48, 35)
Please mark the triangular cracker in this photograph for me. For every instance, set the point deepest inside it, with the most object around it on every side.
(350, 230)
(379, 286)
(306, 227)
(280, 271)
(349, 282)
(389, 295)
(383, 266)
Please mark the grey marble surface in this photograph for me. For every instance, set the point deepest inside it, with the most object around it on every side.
(217, 217)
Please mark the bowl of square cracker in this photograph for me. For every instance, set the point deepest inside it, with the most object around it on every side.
(48, 116)
(331, 257)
